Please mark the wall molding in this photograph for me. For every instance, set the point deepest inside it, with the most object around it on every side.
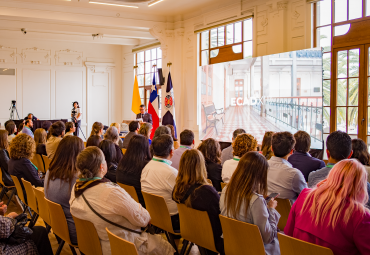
(8, 55)
(68, 57)
(36, 56)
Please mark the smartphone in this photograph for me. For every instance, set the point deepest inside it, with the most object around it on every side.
(272, 195)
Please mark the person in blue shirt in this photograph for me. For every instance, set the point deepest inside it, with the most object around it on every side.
(27, 129)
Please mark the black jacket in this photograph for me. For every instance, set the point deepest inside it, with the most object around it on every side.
(111, 173)
(41, 149)
(214, 174)
(147, 117)
(4, 160)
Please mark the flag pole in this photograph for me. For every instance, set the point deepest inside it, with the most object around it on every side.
(169, 64)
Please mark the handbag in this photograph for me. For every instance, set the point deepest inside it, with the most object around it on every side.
(21, 232)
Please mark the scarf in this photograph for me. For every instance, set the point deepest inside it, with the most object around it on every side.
(84, 184)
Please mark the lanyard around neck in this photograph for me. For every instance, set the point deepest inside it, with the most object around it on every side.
(330, 166)
(236, 159)
(90, 179)
(182, 146)
(161, 160)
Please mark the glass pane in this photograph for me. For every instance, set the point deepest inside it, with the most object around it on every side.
(221, 36)
(159, 53)
(154, 53)
(214, 38)
(140, 80)
(368, 122)
(340, 10)
(354, 59)
(326, 62)
(326, 92)
(230, 34)
(153, 69)
(248, 29)
(353, 92)
(341, 30)
(342, 64)
(140, 69)
(214, 53)
(367, 7)
(352, 120)
(204, 57)
(248, 49)
(148, 93)
(368, 91)
(341, 119)
(238, 32)
(140, 57)
(324, 13)
(324, 37)
(147, 55)
(147, 67)
(205, 40)
(342, 92)
(159, 63)
(326, 117)
(148, 79)
(237, 48)
(325, 157)
(141, 91)
(355, 9)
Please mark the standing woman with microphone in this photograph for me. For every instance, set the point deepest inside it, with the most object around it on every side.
(76, 117)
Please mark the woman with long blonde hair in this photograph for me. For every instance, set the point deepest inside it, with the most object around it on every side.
(193, 190)
(334, 214)
(266, 145)
(40, 140)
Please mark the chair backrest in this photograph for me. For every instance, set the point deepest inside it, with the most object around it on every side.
(118, 244)
(196, 227)
(19, 188)
(209, 181)
(123, 151)
(283, 207)
(240, 237)
(158, 210)
(293, 246)
(37, 161)
(87, 237)
(223, 185)
(58, 221)
(130, 190)
(31, 199)
(1, 178)
(41, 204)
(47, 162)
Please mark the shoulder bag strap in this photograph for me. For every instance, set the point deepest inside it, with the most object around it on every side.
(43, 162)
(189, 192)
(110, 222)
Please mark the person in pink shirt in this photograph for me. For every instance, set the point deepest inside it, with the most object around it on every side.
(333, 214)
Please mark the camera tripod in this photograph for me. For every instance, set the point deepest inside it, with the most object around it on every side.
(74, 120)
(13, 110)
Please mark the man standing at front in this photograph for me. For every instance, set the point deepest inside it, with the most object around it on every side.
(147, 117)
(27, 129)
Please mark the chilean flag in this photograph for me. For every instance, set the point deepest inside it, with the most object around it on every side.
(169, 103)
(153, 107)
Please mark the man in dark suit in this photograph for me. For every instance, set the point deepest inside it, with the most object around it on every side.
(30, 116)
(134, 127)
(147, 117)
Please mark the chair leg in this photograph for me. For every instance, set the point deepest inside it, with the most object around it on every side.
(48, 227)
(60, 247)
(33, 220)
(184, 246)
(11, 196)
(3, 192)
(171, 240)
(73, 250)
(202, 250)
(191, 246)
(25, 208)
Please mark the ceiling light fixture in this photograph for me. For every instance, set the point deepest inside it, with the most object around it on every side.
(130, 6)
(154, 2)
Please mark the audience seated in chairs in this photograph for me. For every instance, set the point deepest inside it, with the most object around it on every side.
(159, 177)
(111, 202)
(4, 158)
(361, 153)
(112, 135)
(282, 178)
(61, 177)
(227, 153)
(12, 129)
(211, 151)
(193, 190)
(118, 126)
(97, 129)
(176, 143)
(109, 150)
(242, 144)
(333, 214)
(131, 165)
(186, 143)
(243, 199)
(57, 132)
(133, 127)
(40, 140)
(146, 130)
(70, 129)
(266, 145)
(93, 140)
(301, 159)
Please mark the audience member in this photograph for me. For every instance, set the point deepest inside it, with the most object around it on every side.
(243, 199)
(93, 140)
(97, 129)
(109, 150)
(40, 140)
(159, 177)
(12, 129)
(112, 135)
(118, 126)
(20, 128)
(4, 158)
(27, 129)
(266, 145)
(30, 116)
(7, 122)
(338, 147)
(146, 130)
(301, 159)
(193, 190)
(133, 127)
(134, 160)
(57, 133)
(242, 144)
(61, 177)
(111, 202)
(186, 143)
(282, 178)
(333, 214)
(361, 153)
(46, 125)
(70, 129)
(161, 130)
(176, 144)
(211, 151)
(227, 153)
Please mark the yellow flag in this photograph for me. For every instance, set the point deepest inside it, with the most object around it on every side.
(136, 101)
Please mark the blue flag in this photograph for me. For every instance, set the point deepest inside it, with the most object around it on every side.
(169, 106)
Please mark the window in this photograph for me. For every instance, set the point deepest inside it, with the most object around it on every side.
(145, 60)
(237, 35)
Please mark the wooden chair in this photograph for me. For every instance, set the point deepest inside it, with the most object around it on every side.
(5, 189)
(118, 244)
(87, 237)
(85, 144)
(283, 207)
(20, 192)
(42, 162)
(130, 190)
(293, 246)
(124, 151)
(42, 206)
(31, 199)
(196, 228)
(223, 184)
(241, 237)
(60, 226)
(209, 181)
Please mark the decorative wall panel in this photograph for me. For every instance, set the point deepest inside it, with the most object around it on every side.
(68, 58)
(8, 55)
(36, 56)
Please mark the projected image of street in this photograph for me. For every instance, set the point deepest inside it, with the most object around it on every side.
(280, 92)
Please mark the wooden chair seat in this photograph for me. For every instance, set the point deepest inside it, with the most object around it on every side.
(41, 205)
(283, 207)
(42, 162)
(87, 237)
